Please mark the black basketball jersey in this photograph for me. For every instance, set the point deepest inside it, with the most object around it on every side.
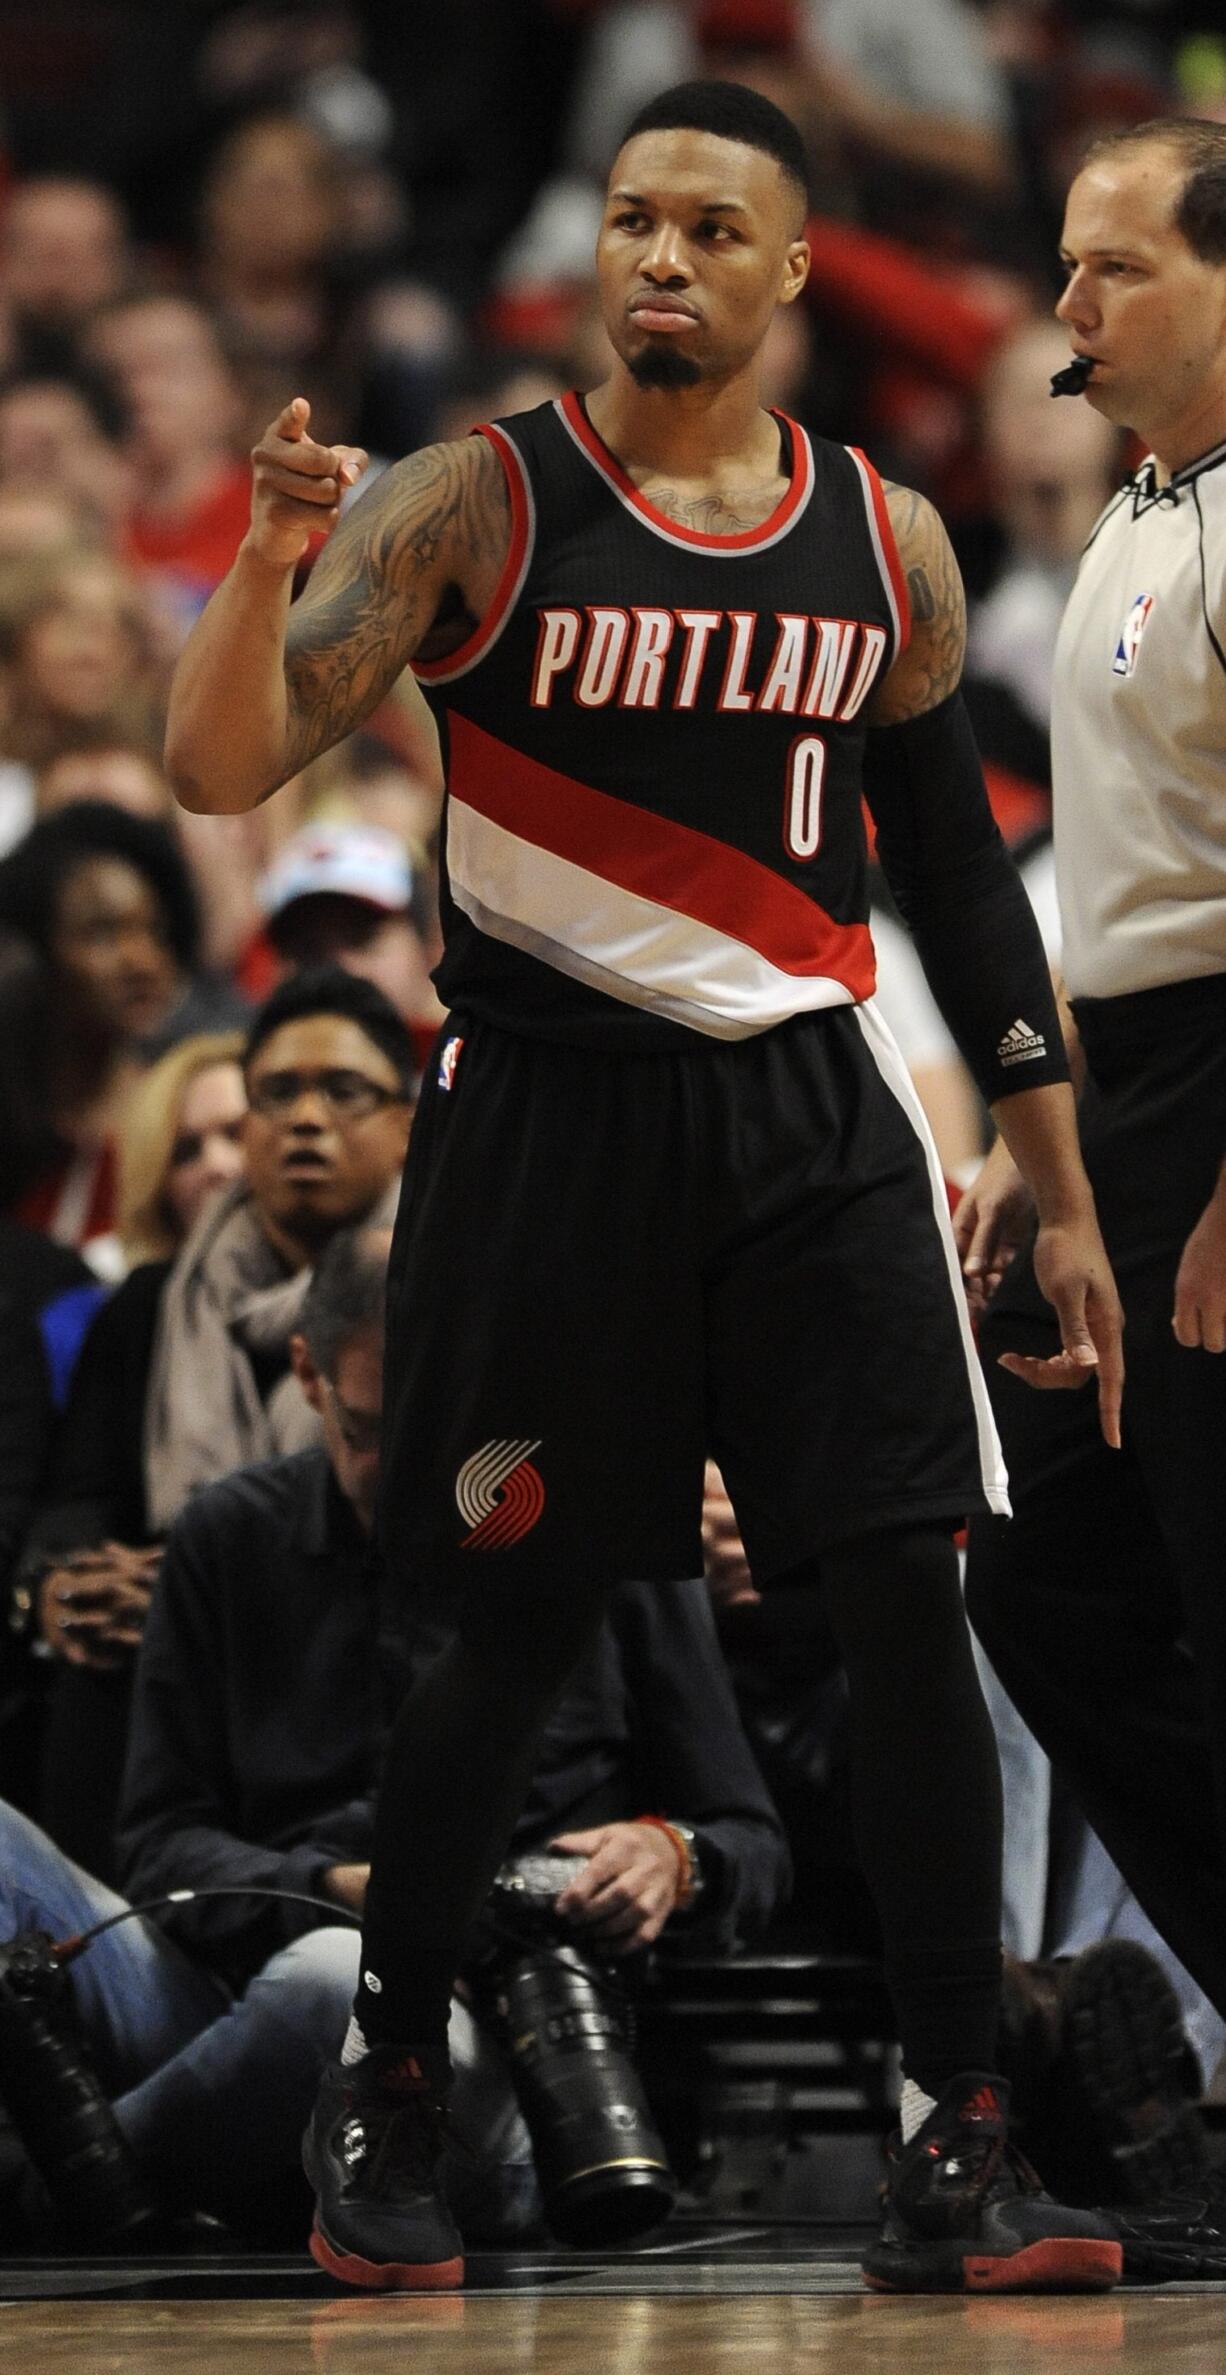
(653, 747)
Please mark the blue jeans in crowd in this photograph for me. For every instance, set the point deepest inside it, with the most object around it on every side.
(213, 2091)
(1095, 1901)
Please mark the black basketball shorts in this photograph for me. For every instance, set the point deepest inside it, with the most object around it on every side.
(608, 1267)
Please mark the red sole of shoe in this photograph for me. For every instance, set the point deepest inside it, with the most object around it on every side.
(386, 2276)
(1071, 2264)
(1063, 2264)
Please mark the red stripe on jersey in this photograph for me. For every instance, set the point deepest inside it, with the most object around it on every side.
(889, 546)
(655, 859)
(508, 582)
(799, 486)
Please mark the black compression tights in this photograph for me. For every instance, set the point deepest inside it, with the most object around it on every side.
(460, 1760)
(927, 1789)
(926, 1781)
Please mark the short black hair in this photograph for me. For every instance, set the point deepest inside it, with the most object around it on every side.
(329, 989)
(33, 874)
(346, 1294)
(729, 111)
(1200, 209)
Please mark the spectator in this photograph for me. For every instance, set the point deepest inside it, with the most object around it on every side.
(62, 433)
(63, 251)
(186, 1373)
(372, 781)
(276, 259)
(225, 855)
(106, 902)
(36, 520)
(182, 1142)
(913, 84)
(255, 1726)
(1050, 472)
(34, 1274)
(191, 495)
(344, 894)
(76, 653)
(100, 766)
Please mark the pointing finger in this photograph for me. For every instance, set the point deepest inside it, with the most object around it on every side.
(1105, 1328)
(291, 422)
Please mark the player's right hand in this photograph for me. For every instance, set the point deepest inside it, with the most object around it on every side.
(297, 486)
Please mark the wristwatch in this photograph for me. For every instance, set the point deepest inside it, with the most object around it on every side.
(684, 1843)
(695, 1878)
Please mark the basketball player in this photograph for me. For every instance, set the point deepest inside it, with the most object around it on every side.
(669, 1191)
(1102, 1604)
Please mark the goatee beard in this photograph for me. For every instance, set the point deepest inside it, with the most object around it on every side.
(663, 367)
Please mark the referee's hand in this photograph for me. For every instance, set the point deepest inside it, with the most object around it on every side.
(1071, 1266)
(1199, 1317)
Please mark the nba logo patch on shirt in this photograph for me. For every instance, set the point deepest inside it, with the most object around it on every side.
(447, 1062)
(1130, 635)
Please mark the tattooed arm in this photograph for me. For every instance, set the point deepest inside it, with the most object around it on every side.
(931, 666)
(263, 685)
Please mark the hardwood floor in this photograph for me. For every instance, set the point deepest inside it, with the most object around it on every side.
(1164, 2332)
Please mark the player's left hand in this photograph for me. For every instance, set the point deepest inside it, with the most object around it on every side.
(991, 1222)
(627, 1888)
(1071, 1266)
(1200, 1284)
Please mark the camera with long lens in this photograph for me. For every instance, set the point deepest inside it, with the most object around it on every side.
(564, 2017)
(57, 2106)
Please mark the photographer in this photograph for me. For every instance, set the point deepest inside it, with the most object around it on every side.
(255, 1731)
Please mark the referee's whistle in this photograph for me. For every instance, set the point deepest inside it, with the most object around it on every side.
(1074, 377)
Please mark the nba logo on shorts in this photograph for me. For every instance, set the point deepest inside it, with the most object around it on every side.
(1130, 635)
(447, 1062)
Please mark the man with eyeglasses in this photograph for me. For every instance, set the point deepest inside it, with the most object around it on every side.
(187, 1375)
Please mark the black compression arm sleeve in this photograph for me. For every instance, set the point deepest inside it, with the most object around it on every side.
(960, 893)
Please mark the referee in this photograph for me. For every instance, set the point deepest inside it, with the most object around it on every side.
(1103, 1604)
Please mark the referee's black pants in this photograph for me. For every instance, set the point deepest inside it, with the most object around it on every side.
(1102, 1602)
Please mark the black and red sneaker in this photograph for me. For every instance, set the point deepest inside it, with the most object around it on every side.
(965, 2213)
(371, 2152)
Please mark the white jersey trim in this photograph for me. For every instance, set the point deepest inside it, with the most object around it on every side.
(632, 948)
(879, 553)
(719, 548)
(880, 1043)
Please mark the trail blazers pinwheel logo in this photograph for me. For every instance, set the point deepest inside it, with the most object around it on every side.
(499, 1494)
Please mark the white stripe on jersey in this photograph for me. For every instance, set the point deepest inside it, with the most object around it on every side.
(894, 1072)
(632, 948)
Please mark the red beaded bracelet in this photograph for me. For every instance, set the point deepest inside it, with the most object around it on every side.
(685, 1861)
